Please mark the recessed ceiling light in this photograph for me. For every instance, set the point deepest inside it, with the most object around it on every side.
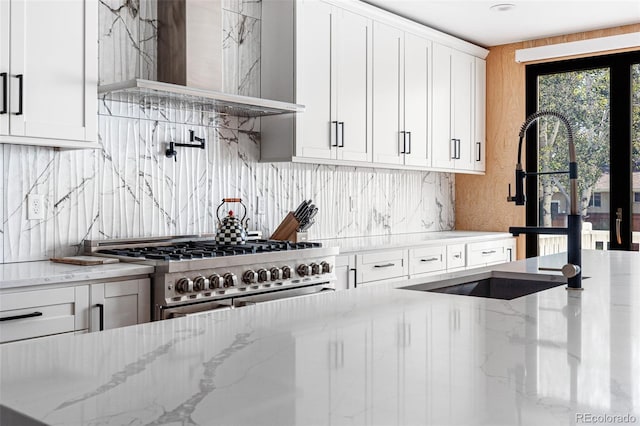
(502, 7)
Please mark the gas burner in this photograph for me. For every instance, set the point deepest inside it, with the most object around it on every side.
(188, 250)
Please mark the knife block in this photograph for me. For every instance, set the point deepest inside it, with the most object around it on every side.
(287, 230)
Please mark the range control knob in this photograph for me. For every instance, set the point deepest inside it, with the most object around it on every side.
(230, 280)
(276, 273)
(250, 277)
(286, 272)
(264, 275)
(315, 269)
(304, 270)
(184, 285)
(327, 268)
(200, 283)
(215, 281)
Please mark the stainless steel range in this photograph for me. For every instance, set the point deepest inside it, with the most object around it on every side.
(194, 274)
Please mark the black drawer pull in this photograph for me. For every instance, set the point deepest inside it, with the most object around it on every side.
(16, 317)
(386, 265)
(484, 253)
(20, 81)
(431, 259)
(4, 92)
(100, 307)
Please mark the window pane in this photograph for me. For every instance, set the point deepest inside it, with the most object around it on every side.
(583, 97)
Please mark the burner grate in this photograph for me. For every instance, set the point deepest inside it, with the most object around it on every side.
(206, 249)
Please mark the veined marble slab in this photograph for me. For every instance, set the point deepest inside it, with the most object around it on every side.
(26, 274)
(374, 355)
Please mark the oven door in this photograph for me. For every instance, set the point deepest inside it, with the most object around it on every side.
(239, 302)
(192, 309)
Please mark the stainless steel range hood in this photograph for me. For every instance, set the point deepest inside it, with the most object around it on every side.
(189, 66)
(148, 92)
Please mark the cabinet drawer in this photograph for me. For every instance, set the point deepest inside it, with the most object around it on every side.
(31, 314)
(456, 256)
(483, 253)
(381, 266)
(427, 259)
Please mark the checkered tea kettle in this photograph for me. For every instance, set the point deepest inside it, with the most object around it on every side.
(231, 230)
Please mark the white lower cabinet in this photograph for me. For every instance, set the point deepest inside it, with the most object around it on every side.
(456, 257)
(381, 266)
(345, 272)
(119, 304)
(427, 259)
(39, 313)
(490, 252)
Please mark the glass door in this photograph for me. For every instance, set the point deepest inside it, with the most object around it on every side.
(600, 98)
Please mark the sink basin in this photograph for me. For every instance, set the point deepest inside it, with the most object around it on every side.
(491, 287)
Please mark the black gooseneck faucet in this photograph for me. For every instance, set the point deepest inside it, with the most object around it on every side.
(573, 269)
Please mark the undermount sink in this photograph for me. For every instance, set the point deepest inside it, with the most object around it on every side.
(491, 287)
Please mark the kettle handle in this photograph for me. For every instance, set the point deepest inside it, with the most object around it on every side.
(231, 200)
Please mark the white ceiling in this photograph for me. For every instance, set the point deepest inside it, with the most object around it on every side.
(474, 21)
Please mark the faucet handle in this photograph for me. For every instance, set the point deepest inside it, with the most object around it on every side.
(510, 198)
(570, 270)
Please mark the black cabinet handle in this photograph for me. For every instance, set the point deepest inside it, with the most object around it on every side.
(386, 265)
(458, 144)
(341, 124)
(409, 144)
(431, 259)
(453, 155)
(20, 84)
(479, 145)
(4, 92)
(355, 277)
(336, 134)
(16, 317)
(100, 307)
(404, 142)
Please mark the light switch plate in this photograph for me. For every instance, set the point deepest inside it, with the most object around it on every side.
(260, 205)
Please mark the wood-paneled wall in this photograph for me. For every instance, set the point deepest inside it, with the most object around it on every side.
(481, 201)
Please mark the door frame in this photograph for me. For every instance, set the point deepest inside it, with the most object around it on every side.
(619, 134)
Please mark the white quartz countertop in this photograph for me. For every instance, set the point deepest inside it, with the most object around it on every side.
(378, 242)
(26, 274)
(374, 355)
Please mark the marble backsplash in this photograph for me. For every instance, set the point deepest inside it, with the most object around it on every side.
(129, 188)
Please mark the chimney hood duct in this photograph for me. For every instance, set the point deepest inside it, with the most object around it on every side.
(190, 66)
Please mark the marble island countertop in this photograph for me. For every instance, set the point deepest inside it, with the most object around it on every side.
(375, 355)
(377, 242)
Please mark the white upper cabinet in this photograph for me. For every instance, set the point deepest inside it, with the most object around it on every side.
(400, 97)
(389, 143)
(480, 119)
(379, 90)
(352, 44)
(332, 55)
(453, 109)
(48, 61)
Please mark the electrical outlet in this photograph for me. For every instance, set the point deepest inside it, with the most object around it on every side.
(350, 204)
(35, 207)
(260, 205)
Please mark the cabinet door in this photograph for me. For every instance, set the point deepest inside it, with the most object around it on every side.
(442, 144)
(388, 133)
(53, 50)
(480, 115)
(4, 67)
(344, 275)
(123, 303)
(315, 38)
(352, 81)
(462, 76)
(417, 59)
